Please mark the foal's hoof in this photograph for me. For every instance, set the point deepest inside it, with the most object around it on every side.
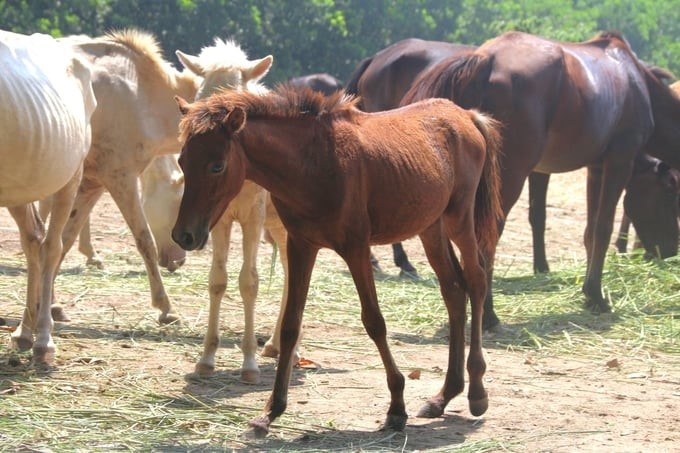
(259, 427)
(478, 407)
(58, 314)
(410, 275)
(44, 357)
(394, 422)
(431, 409)
(169, 318)
(250, 376)
(22, 343)
(269, 350)
(490, 321)
(204, 370)
(95, 261)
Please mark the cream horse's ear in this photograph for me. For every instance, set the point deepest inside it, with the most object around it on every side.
(190, 62)
(183, 105)
(258, 69)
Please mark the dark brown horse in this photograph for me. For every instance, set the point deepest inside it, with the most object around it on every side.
(383, 79)
(321, 82)
(344, 179)
(651, 201)
(565, 106)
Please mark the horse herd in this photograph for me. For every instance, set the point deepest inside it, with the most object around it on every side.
(427, 138)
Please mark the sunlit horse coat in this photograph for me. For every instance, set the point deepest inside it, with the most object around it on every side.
(45, 134)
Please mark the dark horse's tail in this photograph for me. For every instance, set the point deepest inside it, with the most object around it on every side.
(464, 79)
(352, 86)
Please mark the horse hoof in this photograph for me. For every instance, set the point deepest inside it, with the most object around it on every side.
(95, 262)
(409, 275)
(44, 356)
(22, 343)
(169, 318)
(259, 427)
(490, 321)
(478, 407)
(270, 350)
(58, 314)
(250, 376)
(203, 370)
(431, 409)
(598, 307)
(394, 422)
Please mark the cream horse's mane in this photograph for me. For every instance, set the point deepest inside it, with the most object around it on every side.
(146, 46)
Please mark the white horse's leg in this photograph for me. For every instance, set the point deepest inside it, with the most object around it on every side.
(32, 233)
(124, 192)
(217, 285)
(248, 286)
(280, 236)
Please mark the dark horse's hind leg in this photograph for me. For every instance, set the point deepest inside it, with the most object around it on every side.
(401, 261)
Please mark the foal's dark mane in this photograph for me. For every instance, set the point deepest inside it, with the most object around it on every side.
(285, 101)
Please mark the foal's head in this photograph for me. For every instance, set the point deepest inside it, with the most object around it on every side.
(214, 170)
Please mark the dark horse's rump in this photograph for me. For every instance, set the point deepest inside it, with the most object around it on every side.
(564, 106)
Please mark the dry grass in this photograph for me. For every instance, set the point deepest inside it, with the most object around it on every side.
(98, 399)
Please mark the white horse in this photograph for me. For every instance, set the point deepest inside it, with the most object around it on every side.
(135, 121)
(226, 66)
(45, 134)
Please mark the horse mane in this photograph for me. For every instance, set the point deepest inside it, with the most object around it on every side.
(145, 46)
(285, 101)
(221, 55)
(460, 78)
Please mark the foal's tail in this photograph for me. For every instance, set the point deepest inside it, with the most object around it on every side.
(488, 207)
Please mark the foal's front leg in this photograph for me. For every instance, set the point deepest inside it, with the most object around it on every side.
(301, 258)
(359, 263)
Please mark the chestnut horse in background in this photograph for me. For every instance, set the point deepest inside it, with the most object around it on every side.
(565, 106)
(382, 80)
(344, 179)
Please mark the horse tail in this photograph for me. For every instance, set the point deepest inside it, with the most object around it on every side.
(460, 78)
(488, 207)
(352, 86)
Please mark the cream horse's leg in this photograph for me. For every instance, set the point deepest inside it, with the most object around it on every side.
(32, 233)
(279, 235)
(217, 285)
(124, 192)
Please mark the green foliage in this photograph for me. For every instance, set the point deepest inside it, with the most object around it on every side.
(334, 35)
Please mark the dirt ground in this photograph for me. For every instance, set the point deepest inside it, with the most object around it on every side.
(538, 402)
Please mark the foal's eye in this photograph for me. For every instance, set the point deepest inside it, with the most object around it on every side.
(217, 167)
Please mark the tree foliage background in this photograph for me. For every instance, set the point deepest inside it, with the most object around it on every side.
(306, 36)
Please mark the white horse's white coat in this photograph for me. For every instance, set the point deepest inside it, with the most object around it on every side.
(45, 134)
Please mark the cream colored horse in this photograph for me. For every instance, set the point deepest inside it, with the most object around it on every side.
(226, 66)
(45, 133)
(135, 121)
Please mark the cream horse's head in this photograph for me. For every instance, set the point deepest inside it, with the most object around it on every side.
(226, 65)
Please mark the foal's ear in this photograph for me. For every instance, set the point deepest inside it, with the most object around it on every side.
(234, 120)
(183, 105)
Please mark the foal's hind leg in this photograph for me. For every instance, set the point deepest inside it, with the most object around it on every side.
(443, 261)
